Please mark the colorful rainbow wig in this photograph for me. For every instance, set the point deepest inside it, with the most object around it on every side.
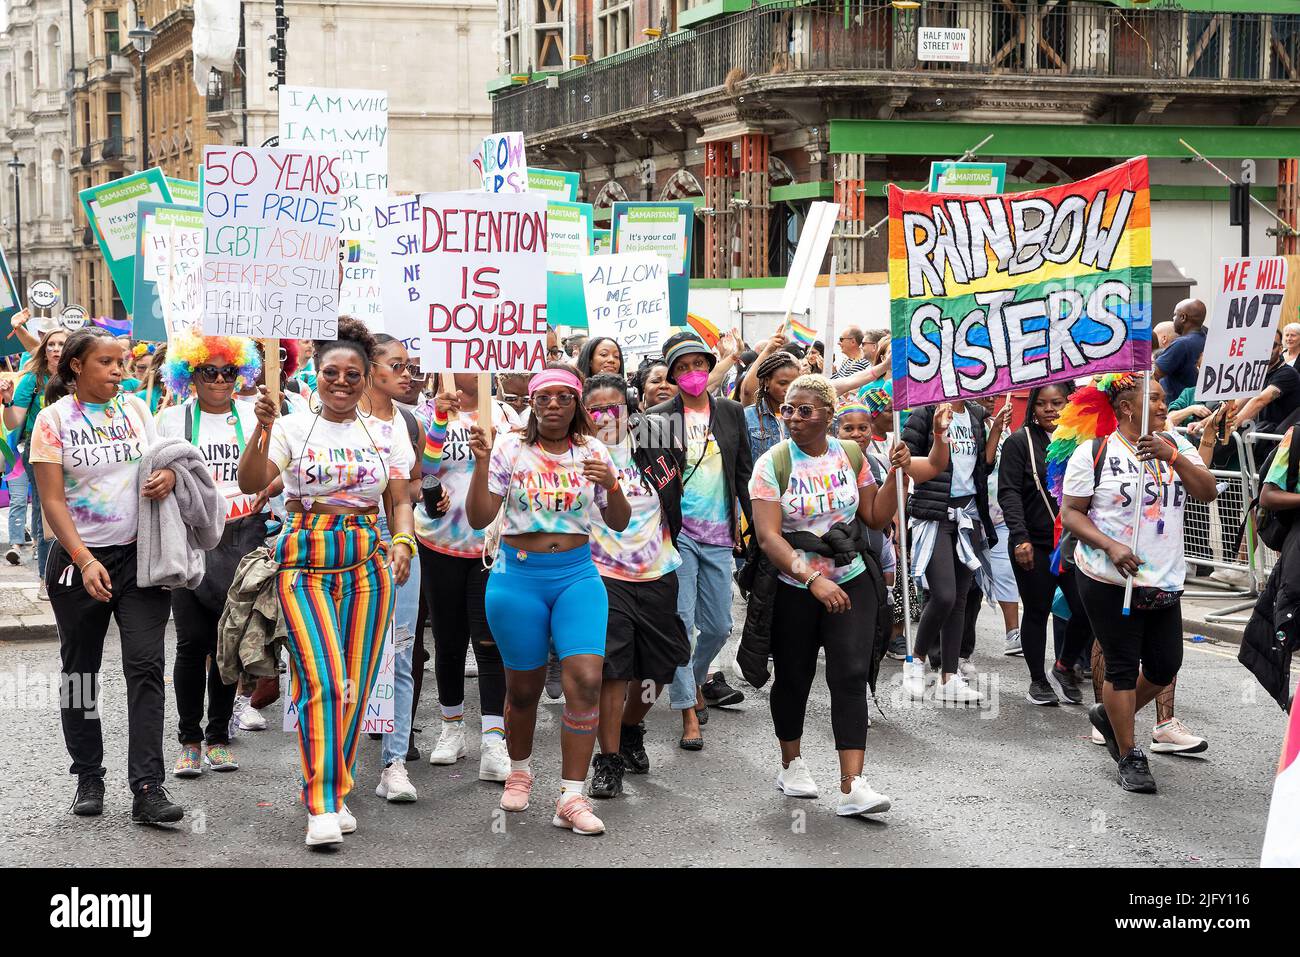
(849, 407)
(877, 400)
(189, 350)
(1087, 416)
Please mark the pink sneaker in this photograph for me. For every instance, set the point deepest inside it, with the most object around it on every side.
(519, 784)
(576, 814)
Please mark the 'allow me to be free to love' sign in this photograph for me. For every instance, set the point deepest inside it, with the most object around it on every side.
(271, 243)
(463, 279)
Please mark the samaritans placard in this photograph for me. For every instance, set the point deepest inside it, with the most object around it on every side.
(186, 192)
(167, 268)
(111, 211)
(663, 229)
(553, 183)
(568, 241)
(968, 179)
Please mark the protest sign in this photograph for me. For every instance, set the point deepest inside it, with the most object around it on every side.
(662, 229)
(968, 179)
(600, 242)
(167, 268)
(9, 307)
(995, 293)
(568, 243)
(627, 300)
(502, 162)
(359, 291)
(1245, 319)
(43, 295)
(553, 184)
(72, 318)
(796, 298)
(185, 192)
(352, 124)
(463, 279)
(111, 211)
(270, 258)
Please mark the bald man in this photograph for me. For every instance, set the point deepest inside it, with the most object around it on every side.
(1176, 366)
(1164, 334)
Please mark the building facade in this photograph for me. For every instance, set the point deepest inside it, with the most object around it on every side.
(35, 79)
(755, 109)
(433, 59)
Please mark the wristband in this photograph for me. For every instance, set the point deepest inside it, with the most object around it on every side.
(404, 539)
(73, 557)
(93, 561)
(812, 578)
(1175, 458)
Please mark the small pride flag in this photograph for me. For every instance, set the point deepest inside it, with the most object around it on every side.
(707, 330)
(434, 440)
(118, 327)
(806, 335)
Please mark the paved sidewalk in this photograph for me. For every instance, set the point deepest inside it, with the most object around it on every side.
(23, 617)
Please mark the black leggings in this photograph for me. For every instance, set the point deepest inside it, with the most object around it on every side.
(1037, 589)
(195, 670)
(801, 625)
(453, 590)
(1149, 641)
(944, 616)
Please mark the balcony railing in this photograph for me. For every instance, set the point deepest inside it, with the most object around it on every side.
(1007, 37)
(225, 93)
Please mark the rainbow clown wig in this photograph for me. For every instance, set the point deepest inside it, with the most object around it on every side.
(1087, 416)
(190, 350)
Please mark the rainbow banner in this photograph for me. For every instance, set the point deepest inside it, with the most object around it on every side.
(991, 294)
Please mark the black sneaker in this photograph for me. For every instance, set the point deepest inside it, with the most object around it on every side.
(719, 694)
(1065, 685)
(898, 648)
(153, 806)
(1135, 773)
(412, 752)
(1101, 721)
(607, 776)
(1040, 692)
(631, 747)
(89, 800)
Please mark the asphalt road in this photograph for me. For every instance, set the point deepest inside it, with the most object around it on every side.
(1013, 785)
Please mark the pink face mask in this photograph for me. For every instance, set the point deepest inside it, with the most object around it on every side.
(693, 383)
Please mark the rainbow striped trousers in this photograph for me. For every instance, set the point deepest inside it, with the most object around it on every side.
(336, 590)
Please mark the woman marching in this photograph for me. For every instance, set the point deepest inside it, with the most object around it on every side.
(205, 371)
(335, 581)
(819, 486)
(762, 416)
(86, 452)
(1030, 512)
(545, 588)
(390, 379)
(645, 640)
(1107, 463)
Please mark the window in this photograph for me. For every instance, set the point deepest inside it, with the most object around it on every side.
(85, 122)
(613, 26)
(29, 78)
(9, 96)
(53, 59)
(59, 207)
(113, 129)
(110, 31)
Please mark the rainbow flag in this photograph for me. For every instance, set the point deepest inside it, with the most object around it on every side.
(118, 327)
(805, 335)
(434, 440)
(9, 450)
(707, 330)
(1282, 833)
(991, 294)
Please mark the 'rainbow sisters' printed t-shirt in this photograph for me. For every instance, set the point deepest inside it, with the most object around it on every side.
(99, 446)
(544, 492)
(345, 464)
(822, 492)
(644, 550)
(706, 513)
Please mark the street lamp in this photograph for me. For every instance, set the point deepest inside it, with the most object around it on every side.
(17, 168)
(142, 39)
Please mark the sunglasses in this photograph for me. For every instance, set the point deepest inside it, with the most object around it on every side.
(542, 400)
(399, 367)
(211, 373)
(805, 412)
(330, 374)
(511, 399)
(601, 411)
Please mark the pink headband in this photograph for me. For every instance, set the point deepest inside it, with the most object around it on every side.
(550, 377)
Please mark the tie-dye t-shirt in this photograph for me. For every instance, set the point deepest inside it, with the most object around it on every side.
(644, 551)
(452, 534)
(346, 464)
(822, 491)
(99, 447)
(1160, 532)
(546, 493)
(706, 513)
(219, 443)
(1281, 458)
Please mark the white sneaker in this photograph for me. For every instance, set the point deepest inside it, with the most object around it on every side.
(42, 593)
(347, 823)
(957, 691)
(1013, 646)
(323, 829)
(1098, 737)
(493, 758)
(395, 784)
(451, 744)
(1236, 577)
(914, 679)
(471, 665)
(247, 717)
(966, 668)
(1172, 737)
(861, 799)
(796, 781)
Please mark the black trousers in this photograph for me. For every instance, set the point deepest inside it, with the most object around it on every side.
(1146, 642)
(141, 616)
(195, 669)
(453, 591)
(1037, 589)
(800, 626)
(944, 617)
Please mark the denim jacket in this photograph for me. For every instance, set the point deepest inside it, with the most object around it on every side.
(765, 429)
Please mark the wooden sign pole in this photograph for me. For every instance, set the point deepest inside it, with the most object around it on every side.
(485, 404)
